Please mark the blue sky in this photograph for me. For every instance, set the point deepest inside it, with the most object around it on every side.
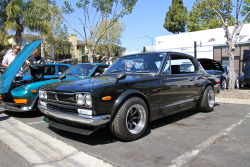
(147, 19)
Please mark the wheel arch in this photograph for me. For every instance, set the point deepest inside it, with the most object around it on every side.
(127, 95)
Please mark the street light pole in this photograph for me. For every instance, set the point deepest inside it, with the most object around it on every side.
(152, 42)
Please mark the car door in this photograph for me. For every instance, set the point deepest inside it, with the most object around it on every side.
(178, 82)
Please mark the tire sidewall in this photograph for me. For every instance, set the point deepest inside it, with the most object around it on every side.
(204, 106)
(125, 134)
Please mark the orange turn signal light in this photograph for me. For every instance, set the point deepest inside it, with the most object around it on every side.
(33, 91)
(107, 98)
(0, 97)
(20, 101)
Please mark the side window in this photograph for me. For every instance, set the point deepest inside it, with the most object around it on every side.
(49, 70)
(61, 69)
(99, 70)
(181, 65)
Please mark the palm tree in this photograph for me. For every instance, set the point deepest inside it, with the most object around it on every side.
(33, 15)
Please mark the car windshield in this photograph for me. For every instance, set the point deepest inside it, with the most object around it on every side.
(141, 63)
(80, 70)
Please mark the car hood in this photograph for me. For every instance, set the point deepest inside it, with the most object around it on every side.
(10, 72)
(90, 83)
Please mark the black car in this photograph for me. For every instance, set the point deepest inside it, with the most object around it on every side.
(214, 67)
(135, 90)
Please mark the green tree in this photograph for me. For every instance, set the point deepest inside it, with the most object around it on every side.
(203, 17)
(56, 40)
(111, 40)
(31, 14)
(94, 13)
(175, 20)
(3, 19)
(231, 36)
(246, 9)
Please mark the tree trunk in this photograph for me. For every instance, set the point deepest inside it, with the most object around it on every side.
(232, 75)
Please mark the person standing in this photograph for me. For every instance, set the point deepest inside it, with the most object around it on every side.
(36, 64)
(9, 57)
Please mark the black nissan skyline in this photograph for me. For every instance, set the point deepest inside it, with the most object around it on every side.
(133, 91)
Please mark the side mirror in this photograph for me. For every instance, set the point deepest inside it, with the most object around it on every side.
(120, 76)
(62, 77)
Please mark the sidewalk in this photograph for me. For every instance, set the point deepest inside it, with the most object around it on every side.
(39, 149)
(234, 101)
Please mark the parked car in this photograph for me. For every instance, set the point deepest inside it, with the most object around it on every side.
(214, 67)
(22, 95)
(244, 81)
(51, 70)
(245, 78)
(133, 91)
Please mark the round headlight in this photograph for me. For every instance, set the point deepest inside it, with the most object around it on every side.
(80, 99)
(45, 95)
(41, 94)
(88, 100)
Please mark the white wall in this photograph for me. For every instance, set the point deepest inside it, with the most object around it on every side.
(205, 40)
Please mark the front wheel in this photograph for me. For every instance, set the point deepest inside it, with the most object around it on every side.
(131, 120)
(208, 100)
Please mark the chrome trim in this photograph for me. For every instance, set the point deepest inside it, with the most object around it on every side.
(78, 118)
(23, 108)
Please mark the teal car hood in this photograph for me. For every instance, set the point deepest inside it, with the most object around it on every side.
(7, 77)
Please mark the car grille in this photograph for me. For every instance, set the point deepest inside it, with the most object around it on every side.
(62, 108)
(63, 97)
(7, 97)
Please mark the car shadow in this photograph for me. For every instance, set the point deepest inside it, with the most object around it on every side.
(29, 114)
(105, 136)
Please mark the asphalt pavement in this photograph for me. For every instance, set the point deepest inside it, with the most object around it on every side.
(23, 146)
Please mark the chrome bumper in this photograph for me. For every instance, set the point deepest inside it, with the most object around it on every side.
(18, 107)
(77, 118)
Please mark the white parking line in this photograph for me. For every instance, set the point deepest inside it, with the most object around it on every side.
(31, 123)
(186, 157)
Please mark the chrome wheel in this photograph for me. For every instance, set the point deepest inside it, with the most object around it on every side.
(223, 84)
(136, 119)
(237, 84)
(211, 98)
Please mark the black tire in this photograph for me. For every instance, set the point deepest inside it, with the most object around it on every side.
(208, 100)
(131, 120)
(223, 84)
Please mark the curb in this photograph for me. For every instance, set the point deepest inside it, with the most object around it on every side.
(40, 150)
(234, 101)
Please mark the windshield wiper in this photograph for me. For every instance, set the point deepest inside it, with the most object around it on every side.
(115, 71)
(142, 71)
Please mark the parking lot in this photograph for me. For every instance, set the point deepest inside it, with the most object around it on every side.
(219, 138)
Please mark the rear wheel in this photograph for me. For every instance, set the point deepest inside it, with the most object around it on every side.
(237, 84)
(223, 84)
(208, 100)
(131, 120)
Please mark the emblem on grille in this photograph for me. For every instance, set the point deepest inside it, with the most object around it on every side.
(56, 96)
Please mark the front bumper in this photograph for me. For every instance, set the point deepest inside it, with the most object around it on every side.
(74, 117)
(11, 106)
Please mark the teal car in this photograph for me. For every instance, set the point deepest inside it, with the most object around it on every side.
(22, 96)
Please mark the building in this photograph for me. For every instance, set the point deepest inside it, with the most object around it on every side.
(75, 49)
(209, 44)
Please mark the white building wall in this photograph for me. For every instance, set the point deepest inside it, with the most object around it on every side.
(205, 41)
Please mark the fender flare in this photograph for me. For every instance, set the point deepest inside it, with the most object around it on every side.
(124, 96)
